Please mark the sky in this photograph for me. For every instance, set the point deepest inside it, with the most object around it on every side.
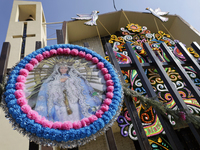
(63, 10)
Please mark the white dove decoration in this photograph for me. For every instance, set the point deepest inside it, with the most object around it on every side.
(92, 17)
(158, 13)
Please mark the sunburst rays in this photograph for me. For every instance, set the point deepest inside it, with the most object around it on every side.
(45, 68)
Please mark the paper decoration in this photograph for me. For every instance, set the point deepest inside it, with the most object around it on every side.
(62, 95)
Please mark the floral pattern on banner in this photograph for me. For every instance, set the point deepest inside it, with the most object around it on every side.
(150, 121)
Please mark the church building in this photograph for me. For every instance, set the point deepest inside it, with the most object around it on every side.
(27, 32)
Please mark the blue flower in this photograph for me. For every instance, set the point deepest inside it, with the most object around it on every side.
(20, 118)
(57, 46)
(46, 133)
(13, 76)
(93, 129)
(31, 55)
(65, 135)
(11, 103)
(117, 93)
(116, 103)
(47, 48)
(42, 50)
(22, 65)
(77, 135)
(11, 81)
(28, 58)
(14, 72)
(82, 133)
(53, 134)
(17, 68)
(117, 85)
(87, 131)
(82, 49)
(34, 53)
(10, 97)
(10, 86)
(53, 47)
(112, 111)
(9, 91)
(99, 124)
(35, 127)
(106, 119)
(39, 51)
(72, 134)
(23, 124)
(66, 45)
(62, 45)
(98, 56)
(58, 134)
(39, 130)
(113, 106)
(76, 47)
(23, 61)
(108, 114)
(29, 125)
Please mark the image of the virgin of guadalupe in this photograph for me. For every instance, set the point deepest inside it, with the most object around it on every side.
(66, 96)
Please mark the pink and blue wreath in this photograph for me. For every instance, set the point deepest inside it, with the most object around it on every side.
(66, 134)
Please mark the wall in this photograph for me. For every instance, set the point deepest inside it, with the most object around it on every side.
(94, 44)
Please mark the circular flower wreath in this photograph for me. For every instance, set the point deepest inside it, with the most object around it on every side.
(67, 134)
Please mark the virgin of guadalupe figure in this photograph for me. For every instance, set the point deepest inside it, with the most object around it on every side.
(66, 96)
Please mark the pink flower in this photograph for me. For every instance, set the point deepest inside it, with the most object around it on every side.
(39, 57)
(104, 107)
(99, 113)
(85, 122)
(46, 54)
(57, 125)
(110, 88)
(21, 78)
(77, 125)
(34, 61)
(32, 114)
(38, 119)
(47, 123)
(19, 94)
(104, 70)
(92, 118)
(88, 56)
(107, 76)
(81, 54)
(109, 95)
(24, 72)
(182, 115)
(67, 125)
(109, 83)
(26, 108)
(74, 52)
(95, 60)
(60, 51)
(29, 67)
(66, 51)
(100, 65)
(107, 101)
(53, 52)
(21, 101)
(19, 85)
